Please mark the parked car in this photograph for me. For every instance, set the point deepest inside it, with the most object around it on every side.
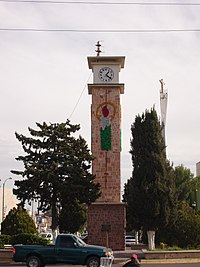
(130, 240)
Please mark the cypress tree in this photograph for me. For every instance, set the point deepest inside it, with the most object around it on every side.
(150, 192)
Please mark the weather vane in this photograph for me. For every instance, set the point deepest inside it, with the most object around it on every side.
(98, 45)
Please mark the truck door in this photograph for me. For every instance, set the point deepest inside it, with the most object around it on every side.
(66, 251)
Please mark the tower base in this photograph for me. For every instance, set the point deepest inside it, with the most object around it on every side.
(106, 225)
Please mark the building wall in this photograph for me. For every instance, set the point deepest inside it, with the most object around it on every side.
(10, 201)
(198, 168)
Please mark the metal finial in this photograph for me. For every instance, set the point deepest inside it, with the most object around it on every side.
(98, 45)
(162, 85)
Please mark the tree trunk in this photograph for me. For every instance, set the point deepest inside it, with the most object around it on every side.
(151, 240)
(54, 233)
(54, 223)
(136, 237)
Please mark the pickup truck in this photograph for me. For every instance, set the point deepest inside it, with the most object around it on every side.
(68, 249)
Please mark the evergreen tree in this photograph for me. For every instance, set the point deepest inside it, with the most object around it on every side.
(185, 232)
(72, 217)
(185, 182)
(18, 221)
(186, 186)
(56, 168)
(150, 192)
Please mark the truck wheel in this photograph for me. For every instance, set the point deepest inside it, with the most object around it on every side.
(34, 261)
(93, 262)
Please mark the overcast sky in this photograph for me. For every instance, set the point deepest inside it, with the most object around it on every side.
(44, 74)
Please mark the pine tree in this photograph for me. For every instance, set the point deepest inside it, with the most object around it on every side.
(18, 221)
(56, 168)
(150, 192)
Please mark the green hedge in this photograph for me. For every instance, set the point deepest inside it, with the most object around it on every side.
(22, 239)
(4, 239)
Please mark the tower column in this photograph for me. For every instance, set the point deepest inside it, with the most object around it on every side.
(106, 140)
(106, 217)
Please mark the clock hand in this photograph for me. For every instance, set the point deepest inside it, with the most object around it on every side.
(108, 75)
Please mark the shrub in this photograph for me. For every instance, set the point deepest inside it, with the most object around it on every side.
(186, 232)
(4, 239)
(18, 221)
(27, 239)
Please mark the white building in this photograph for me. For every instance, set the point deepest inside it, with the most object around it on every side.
(10, 201)
(198, 168)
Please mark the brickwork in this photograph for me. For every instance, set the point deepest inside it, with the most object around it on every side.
(106, 166)
(106, 217)
(106, 225)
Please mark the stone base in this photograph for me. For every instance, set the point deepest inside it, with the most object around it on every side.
(106, 225)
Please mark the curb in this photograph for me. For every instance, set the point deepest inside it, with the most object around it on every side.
(11, 263)
(157, 261)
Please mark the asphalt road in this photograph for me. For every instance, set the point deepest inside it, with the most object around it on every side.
(170, 264)
(189, 264)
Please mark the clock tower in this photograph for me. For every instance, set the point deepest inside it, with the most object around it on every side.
(106, 217)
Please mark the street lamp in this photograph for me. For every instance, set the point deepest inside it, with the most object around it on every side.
(3, 197)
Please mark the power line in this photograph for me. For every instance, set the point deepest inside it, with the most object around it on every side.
(80, 96)
(100, 31)
(102, 3)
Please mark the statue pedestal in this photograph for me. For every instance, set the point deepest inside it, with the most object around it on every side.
(106, 224)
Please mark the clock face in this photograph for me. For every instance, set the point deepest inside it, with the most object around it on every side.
(106, 74)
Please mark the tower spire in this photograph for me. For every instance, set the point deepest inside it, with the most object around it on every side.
(98, 45)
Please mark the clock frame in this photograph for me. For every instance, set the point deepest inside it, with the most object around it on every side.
(106, 74)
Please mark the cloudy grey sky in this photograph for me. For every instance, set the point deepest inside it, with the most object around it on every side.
(44, 74)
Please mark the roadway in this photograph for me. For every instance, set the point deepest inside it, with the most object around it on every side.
(147, 264)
